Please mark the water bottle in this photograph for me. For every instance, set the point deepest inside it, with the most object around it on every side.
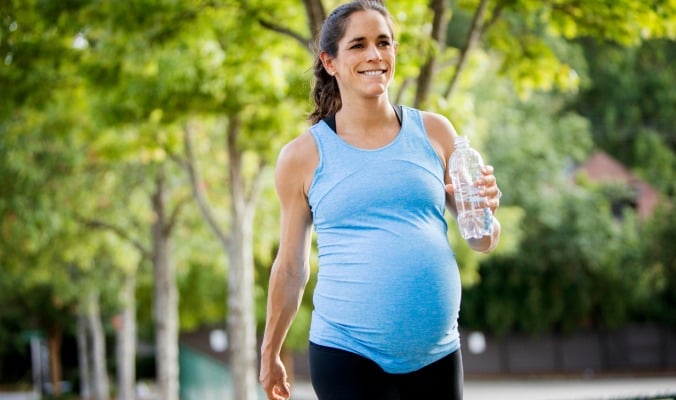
(475, 220)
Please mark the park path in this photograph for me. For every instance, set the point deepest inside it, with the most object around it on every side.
(644, 388)
(662, 388)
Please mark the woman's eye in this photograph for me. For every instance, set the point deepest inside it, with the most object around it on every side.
(384, 44)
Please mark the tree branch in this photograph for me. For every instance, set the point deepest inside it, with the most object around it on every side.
(400, 93)
(121, 233)
(316, 15)
(473, 37)
(285, 31)
(173, 218)
(197, 189)
(257, 184)
(497, 13)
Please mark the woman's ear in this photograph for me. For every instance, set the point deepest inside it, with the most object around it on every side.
(327, 62)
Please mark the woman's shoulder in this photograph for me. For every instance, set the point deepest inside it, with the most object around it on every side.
(436, 121)
(298, 150)
(439, 129)
(299, 157)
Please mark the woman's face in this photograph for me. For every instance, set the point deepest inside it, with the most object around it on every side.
(366, 55)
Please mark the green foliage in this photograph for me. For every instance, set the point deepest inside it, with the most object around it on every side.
(632, 21)
(209, 307)
(577, 270)
(658, 161)
(527, 34)
(660, 262)
(631, 105)
(529, 59)
(35, 51)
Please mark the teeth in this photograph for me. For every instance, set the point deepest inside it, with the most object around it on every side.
(372, 73)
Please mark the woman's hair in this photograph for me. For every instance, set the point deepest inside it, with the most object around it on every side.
(325, 92)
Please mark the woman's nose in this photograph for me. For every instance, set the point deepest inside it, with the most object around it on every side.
(374, 54)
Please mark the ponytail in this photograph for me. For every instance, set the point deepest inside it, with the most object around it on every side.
(325, 94)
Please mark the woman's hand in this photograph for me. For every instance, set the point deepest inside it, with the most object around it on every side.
(274, 380)
(488, 188)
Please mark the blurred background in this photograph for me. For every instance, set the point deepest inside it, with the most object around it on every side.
(138, 220)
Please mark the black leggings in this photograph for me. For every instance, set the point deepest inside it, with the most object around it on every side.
(342, 375)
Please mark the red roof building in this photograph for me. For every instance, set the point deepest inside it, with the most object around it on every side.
(602, 168)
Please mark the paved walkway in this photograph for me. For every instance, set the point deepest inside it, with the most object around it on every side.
(663, 388)
(592, 389)
(552, 389)
(17, 396)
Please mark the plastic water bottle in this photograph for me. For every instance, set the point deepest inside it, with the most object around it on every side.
(475, 220)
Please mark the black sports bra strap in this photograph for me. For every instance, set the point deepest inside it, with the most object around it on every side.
(331, 122)
(398, 110)
(331, 119)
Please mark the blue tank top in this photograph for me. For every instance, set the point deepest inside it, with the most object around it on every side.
(388, 286)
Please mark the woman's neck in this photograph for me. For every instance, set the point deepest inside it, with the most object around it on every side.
(369, 125)
(365, 115)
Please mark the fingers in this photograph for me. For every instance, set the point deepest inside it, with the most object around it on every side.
(494, 203)
(490, 188)
(279, 392)
(284, 391)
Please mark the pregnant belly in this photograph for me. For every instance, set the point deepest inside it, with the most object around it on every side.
(394, 311)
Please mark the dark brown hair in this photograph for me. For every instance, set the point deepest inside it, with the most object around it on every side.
(325, 92)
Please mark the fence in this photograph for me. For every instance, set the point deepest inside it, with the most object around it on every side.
(635, 349)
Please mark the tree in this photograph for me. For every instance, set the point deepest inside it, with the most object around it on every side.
(252, 136)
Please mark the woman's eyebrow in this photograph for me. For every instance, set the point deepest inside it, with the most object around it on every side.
(362, 38)
(357, 39)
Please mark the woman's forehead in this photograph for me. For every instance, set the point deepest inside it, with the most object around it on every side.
(366, 24)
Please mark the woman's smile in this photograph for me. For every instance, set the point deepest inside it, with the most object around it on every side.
(374, 72)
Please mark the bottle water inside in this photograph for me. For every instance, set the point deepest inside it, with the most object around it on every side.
(475, 220)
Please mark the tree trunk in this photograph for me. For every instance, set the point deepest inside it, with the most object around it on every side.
(315, 17)
(83, 356)
(241, 313)
(126, 340)
(165, 302)
(54, 346)
(439, 23)
(239, 246)
(98, 350)
(473, 37)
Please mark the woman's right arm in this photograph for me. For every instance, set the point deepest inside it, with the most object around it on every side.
(290, 270)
